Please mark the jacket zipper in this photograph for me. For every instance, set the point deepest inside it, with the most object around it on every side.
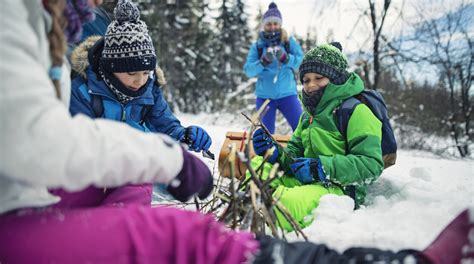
(124, 118)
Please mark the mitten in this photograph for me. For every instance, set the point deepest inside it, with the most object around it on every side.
(195, 178)
(282, 56)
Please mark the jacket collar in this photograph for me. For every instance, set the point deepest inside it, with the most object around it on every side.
(97, 86)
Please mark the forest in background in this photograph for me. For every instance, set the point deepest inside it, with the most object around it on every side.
(425, 73)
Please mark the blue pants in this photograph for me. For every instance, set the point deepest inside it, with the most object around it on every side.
(289, 106)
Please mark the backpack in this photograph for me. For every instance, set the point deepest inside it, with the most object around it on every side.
(376, 104)
(98, 108)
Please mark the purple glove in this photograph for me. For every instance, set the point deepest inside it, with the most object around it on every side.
(194, 178)
(282, 56)
(267, 57)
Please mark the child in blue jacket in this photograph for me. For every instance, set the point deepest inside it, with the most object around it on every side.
(119, 80)
(273, 59)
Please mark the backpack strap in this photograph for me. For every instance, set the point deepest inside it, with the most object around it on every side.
(286, 44)
(97, 105)
(259, 51)
(344, 112)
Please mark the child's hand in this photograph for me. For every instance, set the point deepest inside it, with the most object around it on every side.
(261, 143)
(197, 138)
(306, 170)
(267, 57)
(281, 55)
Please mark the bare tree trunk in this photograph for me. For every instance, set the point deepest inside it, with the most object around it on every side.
(377, 34)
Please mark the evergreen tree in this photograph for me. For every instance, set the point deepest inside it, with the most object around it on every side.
(182, 38)
(232, 44)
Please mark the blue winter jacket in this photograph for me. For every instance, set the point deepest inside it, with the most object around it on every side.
(276, 80)
(159, 117)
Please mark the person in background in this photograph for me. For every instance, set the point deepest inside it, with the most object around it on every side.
(273, 59)
(43, 146)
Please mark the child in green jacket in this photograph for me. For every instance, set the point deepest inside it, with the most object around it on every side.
(319, 160)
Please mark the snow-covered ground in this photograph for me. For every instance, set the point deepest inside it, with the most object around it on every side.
(406, 208)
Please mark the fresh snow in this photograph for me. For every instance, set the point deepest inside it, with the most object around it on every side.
(406, 207)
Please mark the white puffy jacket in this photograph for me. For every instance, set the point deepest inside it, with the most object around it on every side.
(41, 145)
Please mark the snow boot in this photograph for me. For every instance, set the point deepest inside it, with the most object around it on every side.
(455, 244)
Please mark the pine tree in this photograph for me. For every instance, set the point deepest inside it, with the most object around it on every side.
(233, 41)
(182, 39)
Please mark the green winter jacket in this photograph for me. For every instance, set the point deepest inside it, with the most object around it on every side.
(317, 136)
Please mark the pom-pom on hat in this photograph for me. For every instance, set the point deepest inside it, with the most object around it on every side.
(128, 47)
(327, 60)
(272, 14)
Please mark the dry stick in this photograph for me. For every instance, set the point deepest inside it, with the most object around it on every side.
(256, 120)
(269, 221)
(289, 218)
(268, 217)
(231, 199)
(233, 150)
(267, 212)
(260, 124)
(196, 203)
(253, 196)
(253, 175)
(266, 196)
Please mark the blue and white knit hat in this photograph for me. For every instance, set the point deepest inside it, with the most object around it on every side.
(128, 47)
(272, 14)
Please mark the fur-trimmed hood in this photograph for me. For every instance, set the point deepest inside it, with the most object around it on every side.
(80, 60)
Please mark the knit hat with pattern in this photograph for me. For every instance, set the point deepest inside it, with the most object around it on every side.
(128, 47)
(327, 60)
(272, 14)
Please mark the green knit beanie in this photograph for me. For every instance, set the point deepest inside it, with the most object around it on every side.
(327, 60)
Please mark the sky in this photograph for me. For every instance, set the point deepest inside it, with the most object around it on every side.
(406, 207)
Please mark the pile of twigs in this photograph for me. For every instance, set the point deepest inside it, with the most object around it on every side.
(248, 204)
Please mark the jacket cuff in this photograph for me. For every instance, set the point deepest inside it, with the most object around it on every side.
(321, 173)
(179, 133)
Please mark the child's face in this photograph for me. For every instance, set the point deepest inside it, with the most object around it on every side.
(313, 82)
(272, 26)
(133, 80)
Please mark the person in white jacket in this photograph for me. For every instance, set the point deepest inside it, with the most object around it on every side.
(42, 146)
